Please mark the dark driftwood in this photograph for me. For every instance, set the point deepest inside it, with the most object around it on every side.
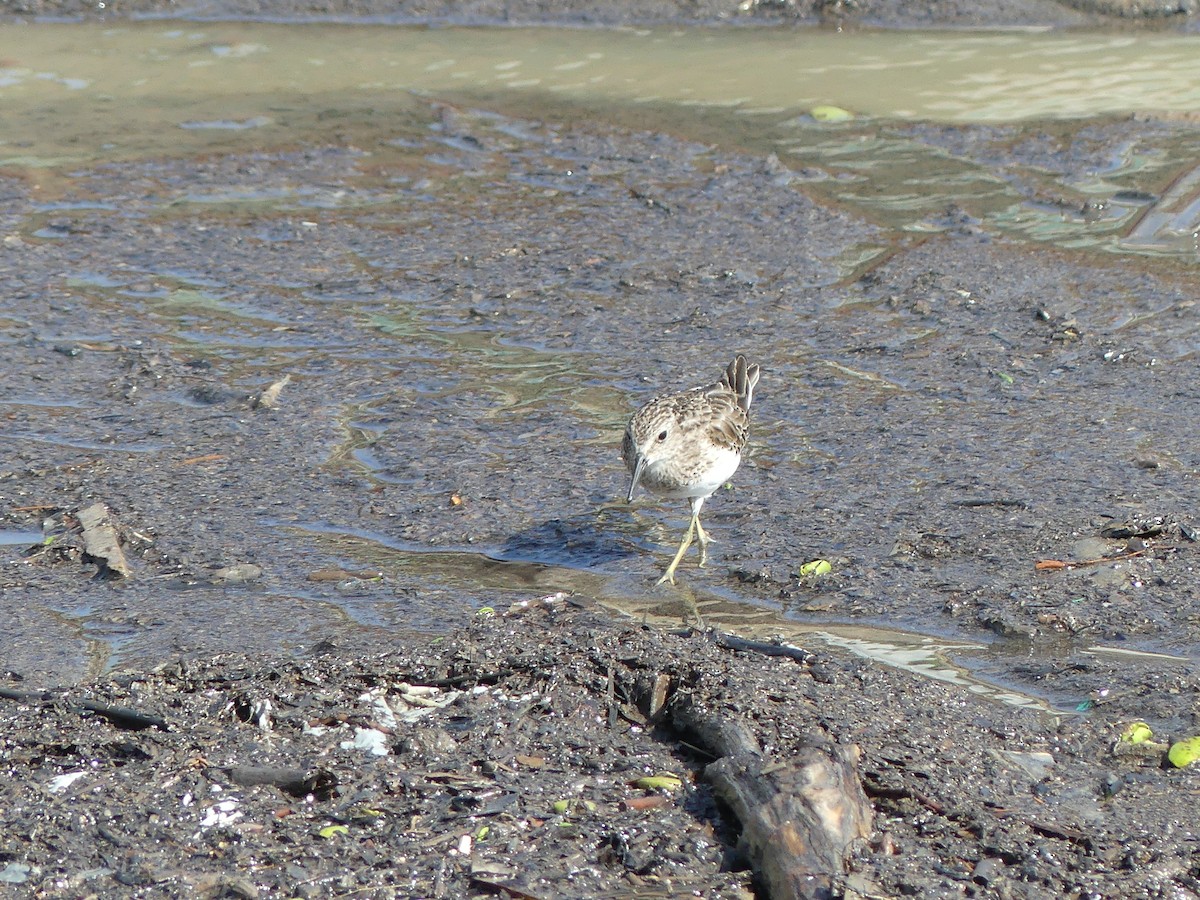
(718, 735)
(799, 815)
(764, 648)
(297, 782)
(123, 716)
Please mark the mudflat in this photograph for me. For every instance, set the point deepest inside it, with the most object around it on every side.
(318, 578)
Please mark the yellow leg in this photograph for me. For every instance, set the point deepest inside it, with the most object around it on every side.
(694, 529)
(669, 575)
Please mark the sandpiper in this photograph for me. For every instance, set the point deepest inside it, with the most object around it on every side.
(689, 444)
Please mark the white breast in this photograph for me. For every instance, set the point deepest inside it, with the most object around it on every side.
(719, 469)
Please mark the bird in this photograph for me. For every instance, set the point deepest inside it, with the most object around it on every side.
(687, 445)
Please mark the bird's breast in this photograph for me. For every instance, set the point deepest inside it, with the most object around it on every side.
(693, 477)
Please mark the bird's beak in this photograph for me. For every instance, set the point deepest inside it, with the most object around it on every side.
(639, 464)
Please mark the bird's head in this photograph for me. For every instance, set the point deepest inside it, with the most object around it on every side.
(650, 437)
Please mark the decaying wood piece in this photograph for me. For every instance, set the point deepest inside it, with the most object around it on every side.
(100, 539)
(297, 782)
(799, 815)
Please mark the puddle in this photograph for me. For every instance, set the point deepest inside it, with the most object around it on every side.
(1138, 655)
(497, 581)
(19, 538)
(499, 577)
(452, 568)
(1171, 223)
(60, 440)
(931, 658)
(941, 76)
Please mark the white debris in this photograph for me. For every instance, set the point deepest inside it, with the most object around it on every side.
(369, 739)
(60, 783)
(417, 701)
(221, 814)
(260, 714)
(381, 712)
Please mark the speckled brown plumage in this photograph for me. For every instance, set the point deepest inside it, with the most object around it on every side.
(687, 445)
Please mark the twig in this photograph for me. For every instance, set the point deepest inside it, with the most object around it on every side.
(121, 716)
(1043, 564)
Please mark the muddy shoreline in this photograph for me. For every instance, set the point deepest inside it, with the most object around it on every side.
(830, 13)
(511, 759)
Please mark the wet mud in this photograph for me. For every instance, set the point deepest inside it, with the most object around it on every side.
(990, 439)
(832, 13)
(512, 759)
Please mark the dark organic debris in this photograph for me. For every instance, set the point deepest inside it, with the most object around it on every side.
(1145, 526)
(564, 743)
(121, 716)
(318, 782)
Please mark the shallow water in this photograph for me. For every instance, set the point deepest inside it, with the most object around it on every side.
(83, 93)
(164, 73)
(510, 582)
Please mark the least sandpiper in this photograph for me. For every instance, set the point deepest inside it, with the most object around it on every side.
(689, 444)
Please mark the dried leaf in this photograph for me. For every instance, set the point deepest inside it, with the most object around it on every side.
(268, 398)
(100, 539)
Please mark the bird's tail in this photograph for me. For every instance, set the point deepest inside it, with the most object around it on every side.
(741, 377)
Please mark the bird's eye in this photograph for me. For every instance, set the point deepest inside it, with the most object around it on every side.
(662, 435)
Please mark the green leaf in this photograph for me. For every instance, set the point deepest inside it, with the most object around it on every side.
(664, 781)
(830, 114)
(1185, 752)
(816, 568)
(1137, 733)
